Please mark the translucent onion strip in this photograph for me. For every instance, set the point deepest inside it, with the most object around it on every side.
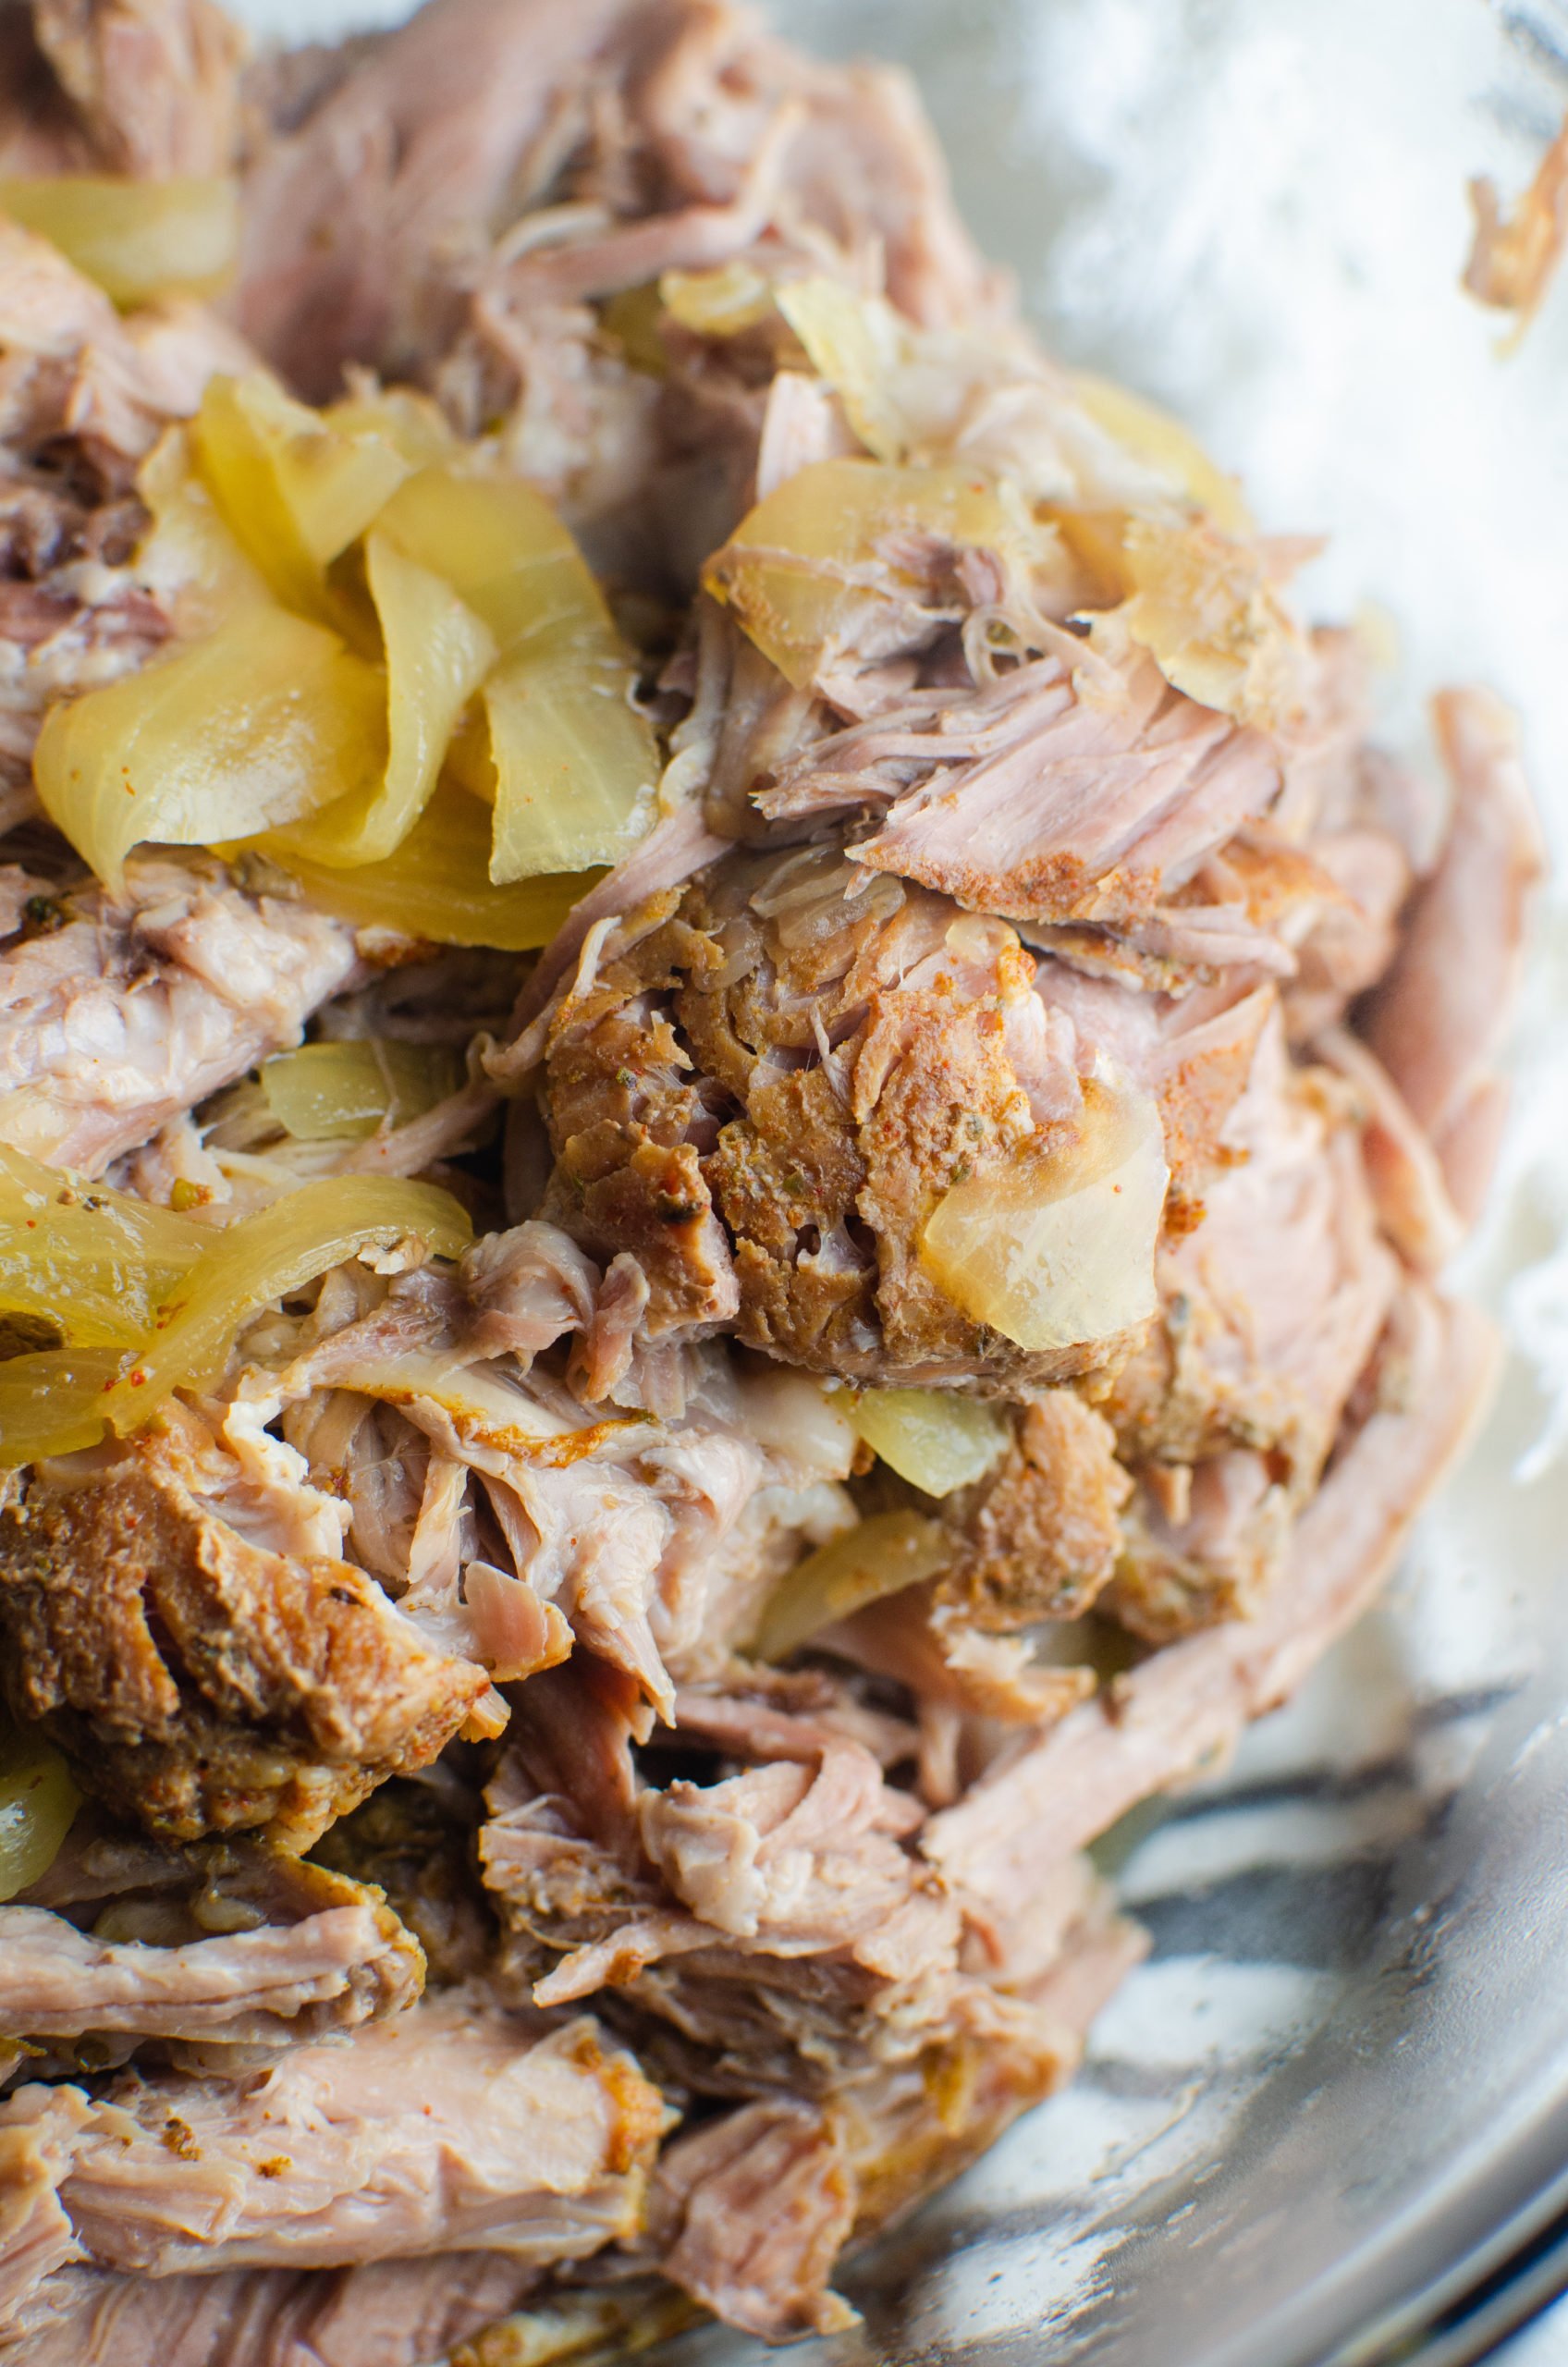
(814, 568)
(264, 721)
(438, 884)
(934, 1437)
(294, 490)
(97, 1261)
(572, 765)
(345, 1092)
(38, 1801)
(52, 1403)
(438, 652)
(885, 1554)
(137, 239)
(263, 1257)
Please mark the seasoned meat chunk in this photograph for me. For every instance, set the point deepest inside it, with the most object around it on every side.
(1043, 1539)
(764, 1095)
(197, 1678)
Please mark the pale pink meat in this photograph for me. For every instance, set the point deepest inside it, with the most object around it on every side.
(267, 1985)
(1195, 1696)
(356, 221)
(1437, 1020)
(140, 1005)
(391, 2313)
(748, 2214)
(451, 2128)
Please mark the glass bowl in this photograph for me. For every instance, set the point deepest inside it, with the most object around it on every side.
(1328, 2120)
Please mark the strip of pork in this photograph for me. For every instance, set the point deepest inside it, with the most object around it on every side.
(1436, 1021)
(749, 2213)
(391, 2313)
(118, 1013)
(1195, 1696)
(451, 2128)
(371, 220)
(226, 1943)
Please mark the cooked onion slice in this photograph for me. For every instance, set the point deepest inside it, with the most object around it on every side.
(294, 490)
(137, 239)
(571, 765)
(264, 1256)
(931, 1437)
(94, 1262)
(814, 568)
(438, 652)
(1058, 1250)
(37, 1803)
(438, 884)
(261, 723)
(346, 1092)
(885, 1554)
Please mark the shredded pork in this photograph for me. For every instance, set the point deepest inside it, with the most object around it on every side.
(586, 1742)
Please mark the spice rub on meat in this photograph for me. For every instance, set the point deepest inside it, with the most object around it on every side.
(762, 1091)
(197, 1676)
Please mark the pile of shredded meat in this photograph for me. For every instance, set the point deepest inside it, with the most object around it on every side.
(578, 1749)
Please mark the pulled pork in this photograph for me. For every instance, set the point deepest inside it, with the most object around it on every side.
(590, 1719)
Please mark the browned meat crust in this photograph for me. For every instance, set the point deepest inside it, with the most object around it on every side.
(1044, 1537)
(197, 1679)
(765, 1095)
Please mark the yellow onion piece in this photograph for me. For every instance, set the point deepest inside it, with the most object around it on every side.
(438, 884)
(413, 423)
(54, 1402)
(438, 651)
(860, 346)
(885, 1554)
(576, 767)
(190, 558)
(1058, 1250)
(295, 490)
(815, 568)
(263, 1258)
(38, 1801)
(1203, 605)
(932, 1436)
(572, 765)
(344, 1092)
(733, 297)
(137, 239)
(95, 1261)
(501, 548)
(264, 720)
(1172, 450)
(633, 317)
